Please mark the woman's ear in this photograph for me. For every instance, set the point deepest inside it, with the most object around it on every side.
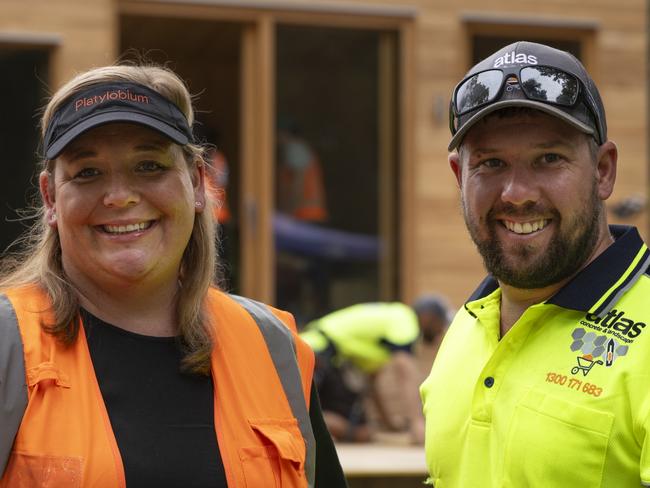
(46, 185)
(198, 182)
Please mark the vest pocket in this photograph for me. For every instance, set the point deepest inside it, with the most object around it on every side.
(32, 470)
(278, 460)
(554, 442)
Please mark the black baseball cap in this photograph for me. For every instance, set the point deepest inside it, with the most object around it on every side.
(104, 103)
(571, 95)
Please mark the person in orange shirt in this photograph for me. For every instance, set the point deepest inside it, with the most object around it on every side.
(217, 181)
(301, 192)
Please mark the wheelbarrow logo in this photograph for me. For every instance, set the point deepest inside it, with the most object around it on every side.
(595, 348)
(585, 363)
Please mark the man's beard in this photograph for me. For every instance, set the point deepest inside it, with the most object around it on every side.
(567, 252)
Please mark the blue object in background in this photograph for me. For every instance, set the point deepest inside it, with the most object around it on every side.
(299, 237)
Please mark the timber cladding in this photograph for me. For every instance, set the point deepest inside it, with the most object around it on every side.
(439, 40)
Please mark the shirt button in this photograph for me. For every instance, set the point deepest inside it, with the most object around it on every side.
(489, 382)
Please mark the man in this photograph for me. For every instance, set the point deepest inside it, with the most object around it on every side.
(365, 338)
(543, 378)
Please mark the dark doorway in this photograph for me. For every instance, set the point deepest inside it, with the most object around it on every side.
(329, 171)
(24, 92)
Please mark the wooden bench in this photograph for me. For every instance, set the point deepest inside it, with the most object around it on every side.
(383, 465)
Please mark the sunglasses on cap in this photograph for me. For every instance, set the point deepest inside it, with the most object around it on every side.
(544, 84)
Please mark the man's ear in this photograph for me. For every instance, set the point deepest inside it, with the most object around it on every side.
(607, 160)
(46, 185)
(455, 163)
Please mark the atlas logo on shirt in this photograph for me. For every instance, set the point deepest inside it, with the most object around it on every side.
(615, 321)
(609, 338)
(514, 58)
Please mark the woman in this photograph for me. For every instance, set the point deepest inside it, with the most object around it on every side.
(139, 371)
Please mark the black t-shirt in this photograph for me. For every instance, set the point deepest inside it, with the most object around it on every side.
(163, 419)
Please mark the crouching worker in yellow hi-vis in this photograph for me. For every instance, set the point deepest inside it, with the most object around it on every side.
(364, 339)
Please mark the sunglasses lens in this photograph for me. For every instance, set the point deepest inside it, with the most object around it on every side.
(478, 90)
(549, 85)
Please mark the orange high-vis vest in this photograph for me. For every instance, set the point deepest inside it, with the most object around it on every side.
(65, 438)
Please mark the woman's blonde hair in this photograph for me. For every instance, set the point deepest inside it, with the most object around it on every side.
(39, 260)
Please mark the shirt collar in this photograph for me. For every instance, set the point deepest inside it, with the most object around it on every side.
(597, 287)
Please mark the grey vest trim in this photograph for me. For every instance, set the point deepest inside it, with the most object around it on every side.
(13, 384)
(282, 349)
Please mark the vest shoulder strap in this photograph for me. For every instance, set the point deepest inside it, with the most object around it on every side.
(13, 384)
(282, 348)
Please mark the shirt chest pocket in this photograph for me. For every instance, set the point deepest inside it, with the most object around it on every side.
(554, 442)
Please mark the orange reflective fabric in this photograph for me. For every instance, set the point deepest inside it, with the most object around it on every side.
(65, 438)
(259, 438)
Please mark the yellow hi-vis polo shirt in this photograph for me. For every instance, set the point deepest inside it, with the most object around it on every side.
(563, 399)
(365, 334)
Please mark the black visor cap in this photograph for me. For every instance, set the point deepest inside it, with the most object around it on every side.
(114, 102)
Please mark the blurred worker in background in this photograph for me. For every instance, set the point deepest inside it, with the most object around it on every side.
(300, 192)
(300, 197)
(217, 183)
(437, 314)
(354, 344)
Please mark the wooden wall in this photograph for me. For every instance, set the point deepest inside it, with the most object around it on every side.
(80, 33)
(84, 33)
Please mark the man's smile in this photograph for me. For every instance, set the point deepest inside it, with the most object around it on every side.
(525, 227)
